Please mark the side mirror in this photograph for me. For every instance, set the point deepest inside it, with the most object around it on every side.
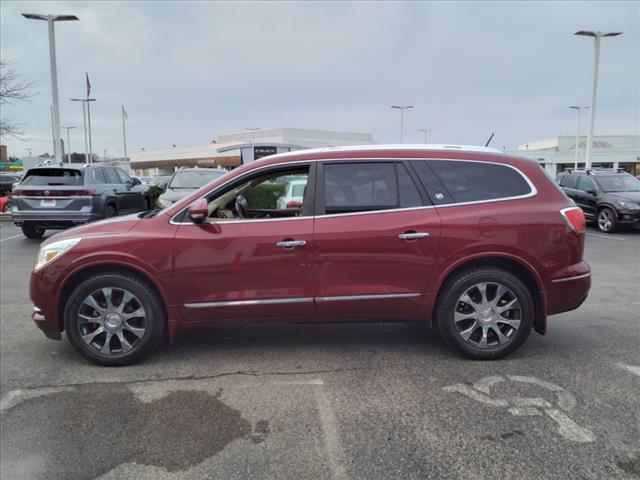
(592, 191)
(136, 181)
(198, 211)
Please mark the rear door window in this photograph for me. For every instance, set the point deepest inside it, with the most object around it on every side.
(124, 178)
(98, 176)
(112, 176)
(469, 181)
(360, 187)
(570, 181)
(585, 183)
(53, 177)
(409, 195)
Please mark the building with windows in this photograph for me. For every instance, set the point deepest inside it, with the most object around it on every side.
(607, 151)
(234, 149)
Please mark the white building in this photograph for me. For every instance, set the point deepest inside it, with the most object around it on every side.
(607, 151)
(235, 149)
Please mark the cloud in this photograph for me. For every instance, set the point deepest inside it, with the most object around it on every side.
(188, 71)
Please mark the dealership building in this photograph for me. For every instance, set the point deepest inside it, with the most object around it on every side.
(607, 151)
(234, 149)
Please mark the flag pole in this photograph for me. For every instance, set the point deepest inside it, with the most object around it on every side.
(124, 132)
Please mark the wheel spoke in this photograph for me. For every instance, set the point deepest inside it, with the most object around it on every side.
(483, 291)
(108, 292)
(106, 347)
(89, 337)
(458, 317)
(139, 313)
(466, 333)
(126, 298)
(500, 292)
(87, 319)
(138, 332)
(508, 306)
(502, 339)
(483, 338)
(468, 300)
(126, 346)
(92, 303)
(513, 323)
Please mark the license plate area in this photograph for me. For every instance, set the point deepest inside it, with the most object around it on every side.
(47, 203)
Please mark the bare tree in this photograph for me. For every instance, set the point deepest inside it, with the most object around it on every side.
(12, 89)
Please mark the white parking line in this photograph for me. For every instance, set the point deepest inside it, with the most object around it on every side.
(331, 436)
(630, 368)
(10, 238)
(606, 236)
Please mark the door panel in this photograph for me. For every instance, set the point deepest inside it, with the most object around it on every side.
(236, 271)
(366, 268)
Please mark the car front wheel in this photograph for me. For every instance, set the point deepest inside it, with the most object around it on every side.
(485, 313)
(114, 319)
(607, 220)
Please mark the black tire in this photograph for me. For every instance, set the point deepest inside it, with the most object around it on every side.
(449, 301)
(31, 231)
(110, 211)
(148, 298)
(607, 220)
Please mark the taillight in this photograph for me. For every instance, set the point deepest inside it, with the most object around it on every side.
(54, 193)
(293, 204)
(574, 218)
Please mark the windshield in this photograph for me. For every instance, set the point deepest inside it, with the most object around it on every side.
(619, 183)
(194, 178)
(52, 176)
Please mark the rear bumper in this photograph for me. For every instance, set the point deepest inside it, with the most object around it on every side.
(52, 219)
(569, 291)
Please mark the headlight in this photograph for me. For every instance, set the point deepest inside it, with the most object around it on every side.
(49, 253)
(629, 205)
(164, 203)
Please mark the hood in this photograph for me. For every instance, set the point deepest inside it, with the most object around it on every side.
(109, 226)
(173, 195)
(630, 196)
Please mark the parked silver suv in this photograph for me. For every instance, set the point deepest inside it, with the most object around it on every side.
(60, 196)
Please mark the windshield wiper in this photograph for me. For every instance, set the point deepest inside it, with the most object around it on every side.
(150, 213)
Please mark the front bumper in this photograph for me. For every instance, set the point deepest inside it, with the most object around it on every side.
(628, 217)
(41, 322)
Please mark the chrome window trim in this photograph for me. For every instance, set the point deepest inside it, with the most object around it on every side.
(532, 193)
(277, 301)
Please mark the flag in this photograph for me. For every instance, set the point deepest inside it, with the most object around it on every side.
(124, 113)
(88, 85)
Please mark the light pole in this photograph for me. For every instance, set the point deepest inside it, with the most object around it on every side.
(426, 131)
(402, 108)
(596, 59)
(54, 74)
(253, 130)
(578, 110)
(84, 124)
(89, 124)
(29, 150)
(68, 144)
(124, 131)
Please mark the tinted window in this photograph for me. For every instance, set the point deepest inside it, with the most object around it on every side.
(409, 195)
(585, 183)
(570, 181)
(194, 178)
(98, 176)
(476, 181)
(619, 183)
(52, 176)
(124, 178)
(432, 185)
(112, 176)
(353, 187)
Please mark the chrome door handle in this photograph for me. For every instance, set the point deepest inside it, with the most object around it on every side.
(288, 244)
(412, 235)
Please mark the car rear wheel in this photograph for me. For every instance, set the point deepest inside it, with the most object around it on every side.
(607, 220)
(114, 319)
(31, 231)
(111, 211)
(485, 313)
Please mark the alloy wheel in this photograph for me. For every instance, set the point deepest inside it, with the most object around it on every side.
(605, 220)
(487, 315)
(112, 321)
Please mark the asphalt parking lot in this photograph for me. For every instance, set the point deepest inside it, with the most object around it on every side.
(330, 401)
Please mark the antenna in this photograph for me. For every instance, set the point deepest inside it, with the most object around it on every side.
(489, 141)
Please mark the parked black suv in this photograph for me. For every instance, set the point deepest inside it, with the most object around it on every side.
(611, 198)
(55, 196)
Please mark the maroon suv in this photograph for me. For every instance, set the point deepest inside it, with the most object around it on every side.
(481, 245)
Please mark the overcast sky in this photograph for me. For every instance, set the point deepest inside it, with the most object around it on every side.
(187, 72)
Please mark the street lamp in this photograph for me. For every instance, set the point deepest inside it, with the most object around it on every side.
(596, 58)
(402, 108)
(426, 131)
(252, 130)
(68, 144)
(54, 74)
(578, 109)
(84, 124)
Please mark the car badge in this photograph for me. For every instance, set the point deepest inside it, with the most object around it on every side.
(47, 193)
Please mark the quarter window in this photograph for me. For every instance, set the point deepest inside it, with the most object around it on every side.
(478, 181)
(360, 187)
